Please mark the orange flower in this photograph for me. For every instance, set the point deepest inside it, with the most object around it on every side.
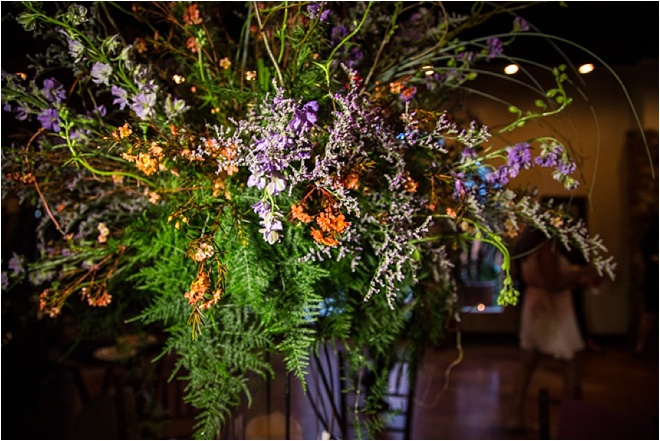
(125, 131)
(193, 45)
(225, 63)
(298, 213)
(191, 16)
(410, 185)
(351, 181)
(331, 227)
(324, 240)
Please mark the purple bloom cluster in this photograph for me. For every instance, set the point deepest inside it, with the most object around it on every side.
(495, 48)
(16, 264)
(519, 158)
(270, 221)
(273, 143)
(313, 10)
(520, 24)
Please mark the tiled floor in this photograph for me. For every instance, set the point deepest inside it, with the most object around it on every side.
(469, 402)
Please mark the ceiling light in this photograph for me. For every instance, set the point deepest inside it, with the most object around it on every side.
(511, 69)
(586, 68)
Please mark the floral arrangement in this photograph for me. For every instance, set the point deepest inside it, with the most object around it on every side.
(298, 179)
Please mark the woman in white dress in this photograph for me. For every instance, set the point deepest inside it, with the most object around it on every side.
(548, 324)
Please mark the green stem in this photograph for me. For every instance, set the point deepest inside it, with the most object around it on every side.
(326, 67)
(67, 125)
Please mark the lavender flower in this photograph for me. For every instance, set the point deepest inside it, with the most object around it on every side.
(520, 24)
(304, 117)
(337, 34)
(495, 48)
(100, 110)
(270, 220)
(21, 112)
(121, 97)
(499, 177)
(313, 9)
(53, 91)
(520, 156)
(16, 264)
(50, 119)
(101, 73)
(143, 105)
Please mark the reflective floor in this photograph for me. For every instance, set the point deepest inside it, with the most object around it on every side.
(464, 398)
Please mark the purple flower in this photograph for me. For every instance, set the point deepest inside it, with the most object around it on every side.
(101, 110)
(549, 160)
(499, 177)
(468, 153)
(5, 280)
(337, 34)
(276, 185)
(495, 48)
(520, 24)
(355, 55)
(467, 56)
(21, 112)
(50, 120)
(121, 97)
(101, 73)
(271, 227)
(16, 264)
(313, 9)
(261, 208)
(270, 220)
(304, 117)
(459, 188)
(256, 181)
(520, 156)
(53, 90)
(143, 104)
(566, 167)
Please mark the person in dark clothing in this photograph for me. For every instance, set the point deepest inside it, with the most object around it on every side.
(649, 288)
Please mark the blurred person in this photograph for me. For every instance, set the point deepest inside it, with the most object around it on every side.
(649, 288)
(548, 322)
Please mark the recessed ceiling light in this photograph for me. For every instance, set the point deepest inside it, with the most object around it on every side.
(586, 68)
(511, 69)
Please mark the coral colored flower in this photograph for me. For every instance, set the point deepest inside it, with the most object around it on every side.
(191, 16)
(193, 45)
(140, 45)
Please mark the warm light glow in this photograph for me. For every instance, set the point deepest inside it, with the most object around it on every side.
(481, 307)
(586, 68)
(511, 69)
(428, 70)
